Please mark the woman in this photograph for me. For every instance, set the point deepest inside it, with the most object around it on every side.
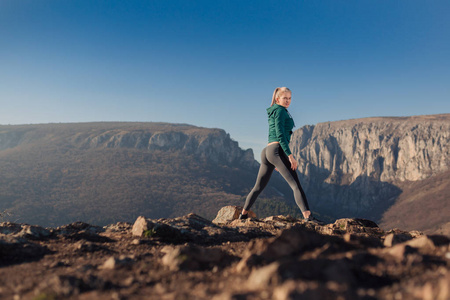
(278, 155)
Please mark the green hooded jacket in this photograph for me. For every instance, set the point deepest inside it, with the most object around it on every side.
(280, 126)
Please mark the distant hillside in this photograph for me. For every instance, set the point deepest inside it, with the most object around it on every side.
(422, 205)
(391, 170)
(100, 173)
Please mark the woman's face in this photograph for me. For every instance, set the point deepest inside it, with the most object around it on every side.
(284, 99)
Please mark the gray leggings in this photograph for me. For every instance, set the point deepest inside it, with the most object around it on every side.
(274, 157)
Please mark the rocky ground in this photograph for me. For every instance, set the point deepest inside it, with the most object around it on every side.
(192, 258)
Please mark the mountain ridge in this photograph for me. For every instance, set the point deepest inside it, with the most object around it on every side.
(101, 172)
(358, 167)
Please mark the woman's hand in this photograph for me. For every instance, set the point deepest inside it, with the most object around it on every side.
(293, 162)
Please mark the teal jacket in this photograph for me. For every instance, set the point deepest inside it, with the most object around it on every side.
(280, 126)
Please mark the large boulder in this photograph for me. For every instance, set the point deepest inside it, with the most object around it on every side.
(230, 213)
(147, 228)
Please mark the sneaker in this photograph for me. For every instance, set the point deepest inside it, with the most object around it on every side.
(243, 217)
(314, 220)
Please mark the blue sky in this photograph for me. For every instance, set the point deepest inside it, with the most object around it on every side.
(216, 63)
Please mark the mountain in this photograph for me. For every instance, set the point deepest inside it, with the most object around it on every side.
(386, 169)
(55, 174)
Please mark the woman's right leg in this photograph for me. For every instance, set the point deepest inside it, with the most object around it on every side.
(265, 171)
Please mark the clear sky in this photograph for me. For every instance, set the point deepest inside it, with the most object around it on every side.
(215, 63)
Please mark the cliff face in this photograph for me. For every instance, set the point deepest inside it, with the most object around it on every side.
(212, 144)
(351, 167)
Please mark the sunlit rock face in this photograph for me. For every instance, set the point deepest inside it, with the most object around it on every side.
(353, 165)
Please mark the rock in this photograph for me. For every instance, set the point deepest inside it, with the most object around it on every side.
(190, 257)
(347, 166)
(230, 296)
(427, 243)
(65, 286)
(292, 290)
(423, 242)
(113, 262)
(34, 232)
(399, 251)
(88, 235)
(62, 286)
(142, 226)
(147, 228)
(290, 241)
(24, 231)
(230, 213)
(86, 246)
(248, 261)
(396, 238)
(281, 218)
(364, 241)
(197, 230)
(191, 221)
(9, 228)
(77, 227)
(226, 262)
(136, 242)
(354, 225)
(438, 289)
(15, 250)
(320, 269)
(118, 227)
(264, 276)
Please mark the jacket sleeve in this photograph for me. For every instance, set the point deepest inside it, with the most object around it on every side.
(282, 137)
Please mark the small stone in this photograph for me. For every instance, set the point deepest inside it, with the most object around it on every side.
(264, 276)
(422, 242)
(128, 281)
(113, 263)
(110, 263)
(62, 286)
(191, 257)
(57, 264)
(247, 262)
(291, 290)
(400, 251)
(290, 241)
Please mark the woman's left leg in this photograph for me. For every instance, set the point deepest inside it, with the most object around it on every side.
(264, 174)
(278, 158)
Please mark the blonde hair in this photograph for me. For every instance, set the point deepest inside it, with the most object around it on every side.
(277, 92)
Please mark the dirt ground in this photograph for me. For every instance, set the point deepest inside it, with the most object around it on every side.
(191, 258)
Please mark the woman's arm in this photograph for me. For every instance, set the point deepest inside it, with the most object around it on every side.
(282, 137)
(280, 119)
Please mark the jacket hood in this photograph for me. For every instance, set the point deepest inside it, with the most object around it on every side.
(271, 109)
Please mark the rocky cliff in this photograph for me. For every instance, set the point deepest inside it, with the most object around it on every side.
(212, 144)
(352, 167)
